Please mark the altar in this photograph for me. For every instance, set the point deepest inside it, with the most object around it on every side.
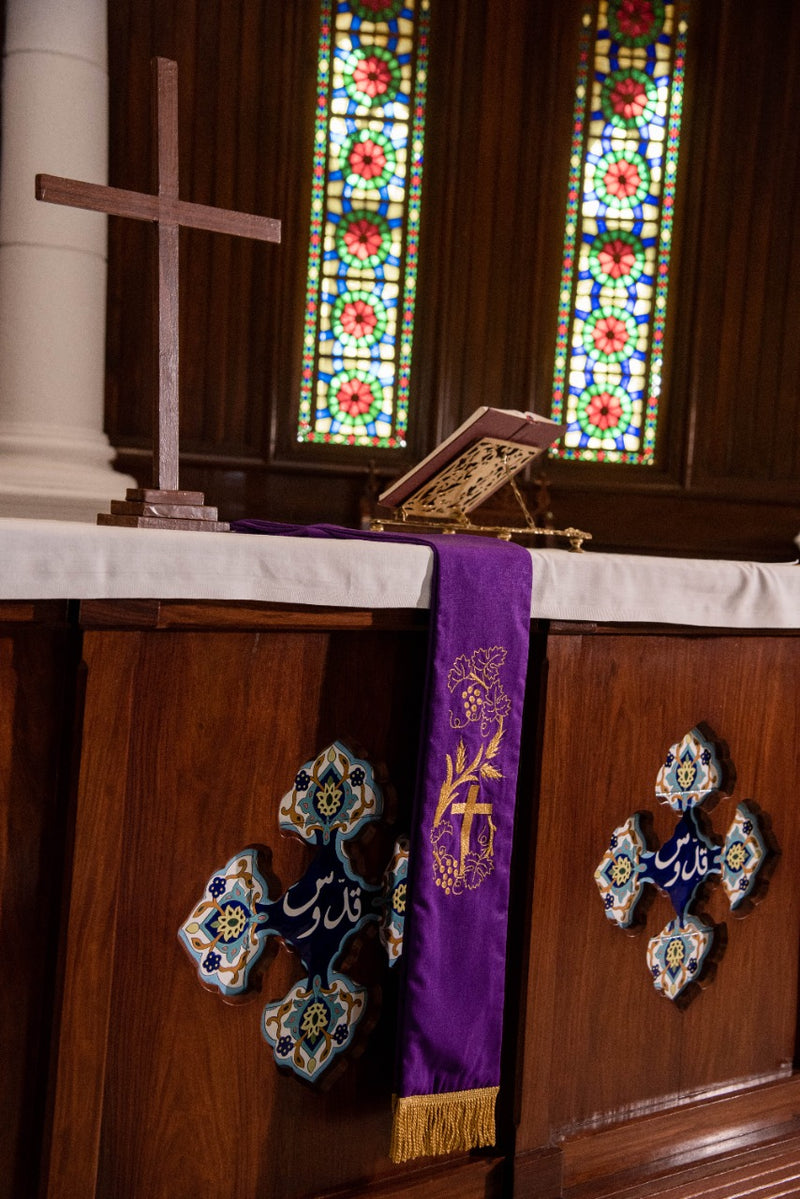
(159, 692)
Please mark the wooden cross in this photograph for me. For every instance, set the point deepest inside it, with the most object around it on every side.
(163, 505)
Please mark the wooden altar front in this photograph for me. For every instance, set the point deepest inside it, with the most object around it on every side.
(144, 741)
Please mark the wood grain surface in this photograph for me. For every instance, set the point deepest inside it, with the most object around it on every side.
(190, 741)
(38, 662)
(600, 1044)
(193, 729)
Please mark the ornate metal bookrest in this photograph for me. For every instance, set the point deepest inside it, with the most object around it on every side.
(443, 503)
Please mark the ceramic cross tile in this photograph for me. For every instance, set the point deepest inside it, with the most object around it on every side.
(694, 773)
(333, 798)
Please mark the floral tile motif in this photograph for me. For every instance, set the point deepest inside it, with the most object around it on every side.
(742, 856)
(694, 772)
(334, 793)
(617, 876)
(333, 798)
(675, 955)
(311, 1025)
(224, 934)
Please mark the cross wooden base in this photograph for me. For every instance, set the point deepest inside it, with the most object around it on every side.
(151, 508)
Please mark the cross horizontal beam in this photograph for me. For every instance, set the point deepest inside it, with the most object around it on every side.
(140, 206)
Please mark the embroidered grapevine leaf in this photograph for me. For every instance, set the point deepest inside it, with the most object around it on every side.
(458, 672)
(486, 662)
(476, 869)
(443, 829)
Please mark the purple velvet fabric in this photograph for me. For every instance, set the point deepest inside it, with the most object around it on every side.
(454, 948)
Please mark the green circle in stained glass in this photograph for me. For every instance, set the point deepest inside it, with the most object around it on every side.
(376, 10)
(371, 75)
(355, 399)
(616, 258)
(363, 238)
(629, 99)
(635, 22)
(604, 410)
(621, 178)
(358, 318)
(610, 334)
(368, 159)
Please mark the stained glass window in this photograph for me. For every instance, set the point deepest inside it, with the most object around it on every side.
(365, 210)
(621, 198)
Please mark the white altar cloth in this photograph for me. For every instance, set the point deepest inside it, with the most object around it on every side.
(69, 560)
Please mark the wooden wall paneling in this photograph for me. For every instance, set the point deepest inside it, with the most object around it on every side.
(198, 738)
(745, 299)
(545, 133)
(493, 147)
(246, 87)
(87, 950)
(37, 673)
(600, 1043)
(668, 523)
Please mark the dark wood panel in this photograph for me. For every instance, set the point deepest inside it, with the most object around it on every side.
(743, 236)
(600, 1043)
(237, 614)
(665, 521)
(37, 679)
(80, 1054)
(179, 1095)
(246, 119)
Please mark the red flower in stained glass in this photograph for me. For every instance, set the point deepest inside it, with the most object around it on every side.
(635, 17)
(362, 238)
(604, 410)
(367, 159)
(354, 397)
(372, 76)
(628, 97)
(609, 335)
(616, 258)
(622, 179)
(358, 319)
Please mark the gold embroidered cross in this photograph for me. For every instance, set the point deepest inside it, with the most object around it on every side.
(469, 811)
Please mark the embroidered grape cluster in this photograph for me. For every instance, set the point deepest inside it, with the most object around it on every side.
(473, 698)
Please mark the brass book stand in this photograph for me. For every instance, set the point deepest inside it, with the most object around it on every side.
(443, 502)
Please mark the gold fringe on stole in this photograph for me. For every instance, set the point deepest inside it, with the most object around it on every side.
(457, 1121)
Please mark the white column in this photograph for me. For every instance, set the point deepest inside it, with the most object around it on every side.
(55, 460)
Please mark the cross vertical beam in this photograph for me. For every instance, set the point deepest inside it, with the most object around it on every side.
(165, 408)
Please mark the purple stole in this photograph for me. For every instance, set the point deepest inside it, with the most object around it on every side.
(454, 950)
